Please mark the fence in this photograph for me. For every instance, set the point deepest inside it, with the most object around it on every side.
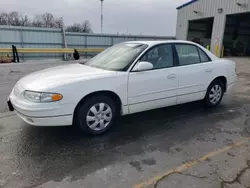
(30, 37)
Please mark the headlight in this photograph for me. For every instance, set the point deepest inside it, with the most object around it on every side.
(42, 97)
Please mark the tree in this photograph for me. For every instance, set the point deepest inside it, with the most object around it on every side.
(25, 21)
(4, 18)
(58, 23)
(37, 22)
(74, 28)
(14, 18)
(46, 20)
(85, 27)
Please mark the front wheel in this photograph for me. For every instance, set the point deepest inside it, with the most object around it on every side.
(214, 94)
(96, 115)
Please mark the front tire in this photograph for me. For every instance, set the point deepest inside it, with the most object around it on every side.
(96, 115)
(214, 94)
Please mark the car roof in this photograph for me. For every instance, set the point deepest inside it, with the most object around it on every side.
(155, 42)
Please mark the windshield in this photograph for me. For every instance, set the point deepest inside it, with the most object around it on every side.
(118, 57)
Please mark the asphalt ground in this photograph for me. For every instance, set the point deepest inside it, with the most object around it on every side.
(180, 146)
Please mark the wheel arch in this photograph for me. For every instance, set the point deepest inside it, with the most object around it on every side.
(223, 79)
(107, 93)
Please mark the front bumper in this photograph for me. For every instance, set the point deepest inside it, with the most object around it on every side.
(41, 114)
(63, 120)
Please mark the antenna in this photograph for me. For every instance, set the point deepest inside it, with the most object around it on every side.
(102, 15)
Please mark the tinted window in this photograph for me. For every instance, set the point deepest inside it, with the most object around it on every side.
(203, 55)
(160, 56)
(188, 54)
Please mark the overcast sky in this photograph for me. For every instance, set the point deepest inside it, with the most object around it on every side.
(149, 17)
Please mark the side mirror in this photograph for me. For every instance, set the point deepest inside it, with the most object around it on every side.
(143, 66)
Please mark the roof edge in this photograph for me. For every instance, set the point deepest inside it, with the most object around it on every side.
(186, 4)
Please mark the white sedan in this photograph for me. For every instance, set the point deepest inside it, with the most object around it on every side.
(127, 78)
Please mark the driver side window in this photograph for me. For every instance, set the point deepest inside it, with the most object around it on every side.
(160, 56)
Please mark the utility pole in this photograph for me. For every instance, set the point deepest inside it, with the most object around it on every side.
(64, 45)
(102, 15)
(63, 33)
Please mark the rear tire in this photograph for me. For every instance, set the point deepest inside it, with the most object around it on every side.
(214, 94)
(96, 115)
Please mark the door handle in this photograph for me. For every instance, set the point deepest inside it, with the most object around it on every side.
(171, 76)
(208, 70)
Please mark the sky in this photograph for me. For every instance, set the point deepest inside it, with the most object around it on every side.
(147, 17)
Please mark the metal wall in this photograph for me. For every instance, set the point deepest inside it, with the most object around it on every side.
(30, 37)
(206, 9)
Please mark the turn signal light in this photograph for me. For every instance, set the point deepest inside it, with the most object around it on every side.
(56, 97)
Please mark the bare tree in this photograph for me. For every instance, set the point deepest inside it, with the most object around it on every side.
(4, 18)
(37, 22)
(46, 20)
(85, 27)
(14, 18)
(74, 28)
(58, 23)
(25, 21)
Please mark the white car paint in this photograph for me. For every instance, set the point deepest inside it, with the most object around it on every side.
(138, 91)
(145, 88)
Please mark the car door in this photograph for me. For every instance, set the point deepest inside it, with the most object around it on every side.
(154, 88)
(195, 71)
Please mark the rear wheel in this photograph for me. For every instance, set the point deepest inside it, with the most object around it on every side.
(214, 94)
(96, 115)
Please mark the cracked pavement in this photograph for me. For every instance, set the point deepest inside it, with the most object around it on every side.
(222, 172)
(138, 151)
(242, 178)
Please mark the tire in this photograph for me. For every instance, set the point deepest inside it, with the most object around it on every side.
(215, 93)
(96, 115)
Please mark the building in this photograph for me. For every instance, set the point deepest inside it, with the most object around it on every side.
(221, 25)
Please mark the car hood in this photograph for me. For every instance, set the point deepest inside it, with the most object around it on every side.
(61, 75)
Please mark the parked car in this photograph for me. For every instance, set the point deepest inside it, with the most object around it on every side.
(124, 79)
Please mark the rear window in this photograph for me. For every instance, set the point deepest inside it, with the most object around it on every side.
(189, 54)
